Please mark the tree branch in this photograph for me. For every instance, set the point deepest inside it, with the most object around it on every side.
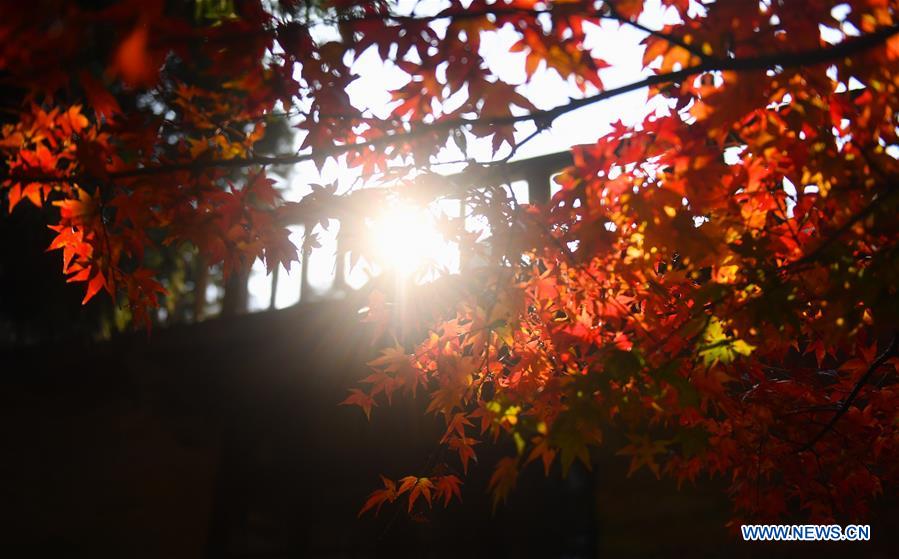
(560, 10)
(844, 49)
(677, 41)
(847, 403)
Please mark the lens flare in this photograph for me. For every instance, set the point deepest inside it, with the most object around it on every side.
(405, 240)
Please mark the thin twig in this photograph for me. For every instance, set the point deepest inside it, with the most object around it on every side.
(847, 403)
(781, 60)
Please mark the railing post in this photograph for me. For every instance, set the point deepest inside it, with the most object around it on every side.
(305, 289)
(339, 283)
(538, 186)
(273, 296)
(201, 282)
(464, 250)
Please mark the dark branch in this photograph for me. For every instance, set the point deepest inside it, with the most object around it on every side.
(607, 12)
(677, 41)
(847, 403)
(844, 49)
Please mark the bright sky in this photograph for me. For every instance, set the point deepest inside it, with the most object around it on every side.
(618, 45)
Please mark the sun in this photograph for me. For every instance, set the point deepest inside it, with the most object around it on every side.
(405, 240)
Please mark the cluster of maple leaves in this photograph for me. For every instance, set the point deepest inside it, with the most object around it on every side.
(130, 144)
(718, 281)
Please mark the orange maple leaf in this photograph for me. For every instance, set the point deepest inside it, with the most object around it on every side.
(447, 486)
(504, 477)
(416, 486)
(359, 398)
(379, 497)
(643, 451)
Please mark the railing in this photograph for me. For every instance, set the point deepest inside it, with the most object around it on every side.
(536, 172)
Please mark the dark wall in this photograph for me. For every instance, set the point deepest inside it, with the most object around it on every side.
(224, 439)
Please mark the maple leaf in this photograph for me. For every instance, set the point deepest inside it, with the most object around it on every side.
(279, 250)
(103, 103)
(81, 210)
(629, 9)
(456, 425)
(489, 412)
(31, 192)
(573, 436)
(359, 398)
(456, 378)
(379, 497)
(134, 61)
(417, 487)
(95, 283)
(447, 486)
(395, 360)
(382, 382)
(143, 290)
(503, 479)
(378, 314)
(447, 398)
(721, 348)
(263, 189)
(545, 452)
(463, 445)
(643, 451)
(71, 241)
